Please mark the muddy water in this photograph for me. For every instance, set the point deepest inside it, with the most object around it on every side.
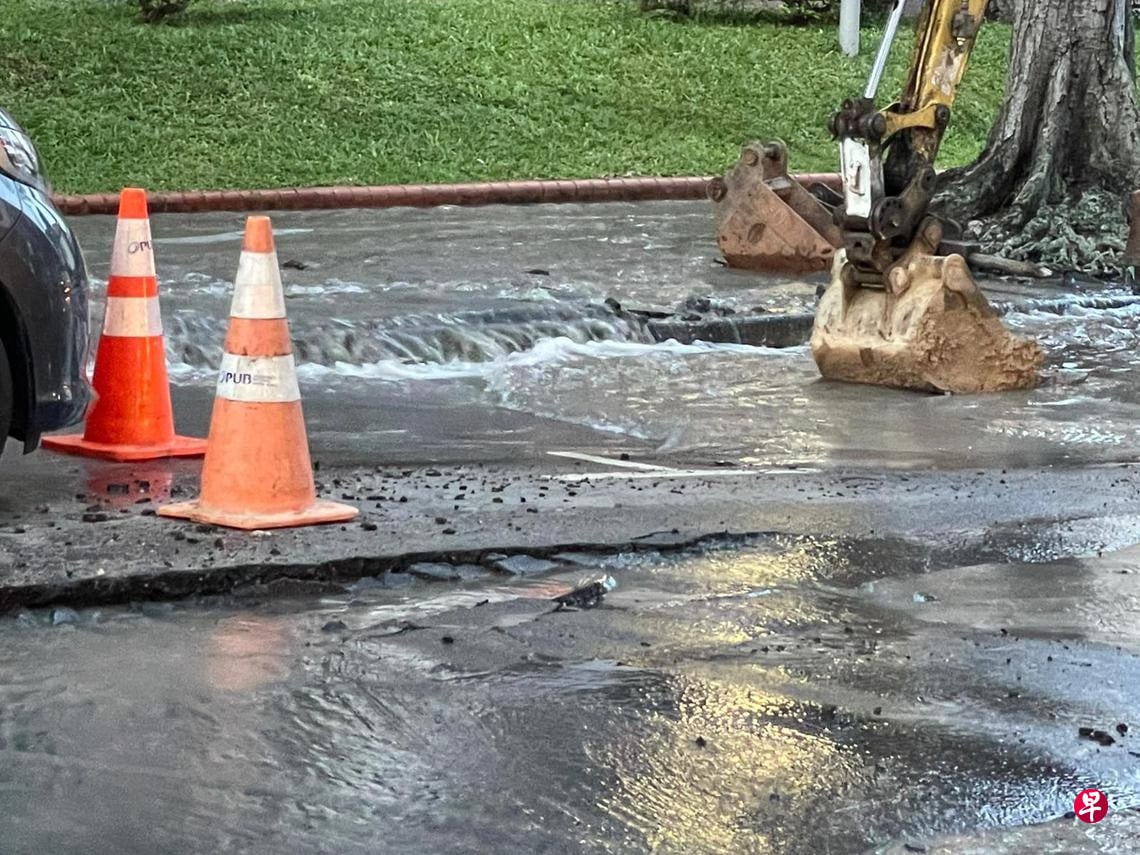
(793, 695)
(499, 313)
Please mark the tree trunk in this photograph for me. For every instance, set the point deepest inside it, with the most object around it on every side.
(1069, 122)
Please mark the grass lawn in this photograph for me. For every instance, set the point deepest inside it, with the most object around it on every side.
(263, 93)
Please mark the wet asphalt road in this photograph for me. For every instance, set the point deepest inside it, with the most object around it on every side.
(782, 694)
(888, 639)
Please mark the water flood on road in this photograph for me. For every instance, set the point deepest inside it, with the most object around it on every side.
(787, 695)
(501, 311)
(784, 695)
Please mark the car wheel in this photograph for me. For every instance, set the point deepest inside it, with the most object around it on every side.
(5, 396)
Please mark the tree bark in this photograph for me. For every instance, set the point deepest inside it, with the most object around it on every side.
(1070, 120)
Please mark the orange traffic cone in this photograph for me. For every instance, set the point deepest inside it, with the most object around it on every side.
(131, 419)
(257, 473)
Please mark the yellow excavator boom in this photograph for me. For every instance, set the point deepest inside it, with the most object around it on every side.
(902, 309)
(887, 155)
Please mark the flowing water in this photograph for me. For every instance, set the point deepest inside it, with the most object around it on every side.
(503, 311)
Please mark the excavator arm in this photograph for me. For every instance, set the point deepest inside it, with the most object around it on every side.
(887, 156)
(902, 309)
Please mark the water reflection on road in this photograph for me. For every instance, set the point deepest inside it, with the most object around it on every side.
(790, 696)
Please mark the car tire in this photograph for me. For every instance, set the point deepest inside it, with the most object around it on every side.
(5, 396)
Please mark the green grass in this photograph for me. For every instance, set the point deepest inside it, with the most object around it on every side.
(261, 93)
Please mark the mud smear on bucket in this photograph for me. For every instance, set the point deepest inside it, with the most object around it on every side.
(931, 330)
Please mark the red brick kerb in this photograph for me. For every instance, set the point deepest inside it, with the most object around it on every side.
(413, 195)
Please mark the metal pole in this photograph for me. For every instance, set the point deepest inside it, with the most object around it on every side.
(884, 49)
(849, 11)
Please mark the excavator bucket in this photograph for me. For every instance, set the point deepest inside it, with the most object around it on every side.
(767, 220)
(930, 329)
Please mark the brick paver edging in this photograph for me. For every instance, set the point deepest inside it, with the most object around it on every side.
(413, 195)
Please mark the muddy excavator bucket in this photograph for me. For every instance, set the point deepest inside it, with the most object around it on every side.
(766, 220)
(929, 329)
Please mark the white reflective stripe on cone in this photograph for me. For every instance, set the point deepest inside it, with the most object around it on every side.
(258, 379)
(132, 254)
(257, 287)
(132, 317)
